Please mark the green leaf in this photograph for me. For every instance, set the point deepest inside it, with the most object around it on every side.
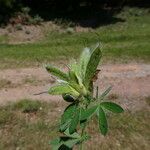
(74, 121)
(82, 122)
(84, 59)
(56, 143)
(67, 116)
(105, 93)
(92, 65)
(112, 107)
(63, 89)
(63, 143)
(75, 86)
(88, 113)
(57, 73)
(70, 143)
(75, 73)
(65, 125)
(75, 135)
(103, 126)
(73, 77)
(64, 147)
(68, 113)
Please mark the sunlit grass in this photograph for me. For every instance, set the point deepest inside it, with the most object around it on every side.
(122, 42)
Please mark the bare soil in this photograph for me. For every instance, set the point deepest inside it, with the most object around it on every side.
(130, 84)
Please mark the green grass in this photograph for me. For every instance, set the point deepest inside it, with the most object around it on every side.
(28, 106)
(123, 42)
(3, 38)
(29, 129)
(34, 129)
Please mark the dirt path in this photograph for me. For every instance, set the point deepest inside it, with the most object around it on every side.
(130, 83)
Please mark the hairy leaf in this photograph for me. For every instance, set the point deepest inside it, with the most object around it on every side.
(57, 73)
(75, 73)
(84, 59)
(68, 113)
(63, 89)
(88, 113)
(103, 126)
(112, 107)
(73, 77)
(92, 65)
(74, 121)
(75, 86)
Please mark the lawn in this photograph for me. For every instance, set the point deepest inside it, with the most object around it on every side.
(29, 125)
(122, 42)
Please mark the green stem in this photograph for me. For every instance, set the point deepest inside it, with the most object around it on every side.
(82, 133)
(81, 145)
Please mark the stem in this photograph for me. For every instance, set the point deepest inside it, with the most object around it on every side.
(81, 146)
(82, 132)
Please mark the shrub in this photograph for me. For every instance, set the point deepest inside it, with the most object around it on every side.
(76, 87)
(23, 17)
(36, 20)
(18, 27)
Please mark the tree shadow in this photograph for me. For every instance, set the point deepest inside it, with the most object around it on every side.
(83, 16)
(99, 18)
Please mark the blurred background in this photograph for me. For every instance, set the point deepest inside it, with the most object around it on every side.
(34, 33)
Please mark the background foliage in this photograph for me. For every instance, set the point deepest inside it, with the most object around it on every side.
(9, 7)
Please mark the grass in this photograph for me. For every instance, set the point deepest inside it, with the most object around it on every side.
(3, 39)
(123, 42)
(24, 127)
(27, 106)
(33, 129)
(127, 131)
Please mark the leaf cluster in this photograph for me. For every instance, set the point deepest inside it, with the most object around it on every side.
(76, 87)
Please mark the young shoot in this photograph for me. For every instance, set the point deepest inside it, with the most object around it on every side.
(76, 87)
